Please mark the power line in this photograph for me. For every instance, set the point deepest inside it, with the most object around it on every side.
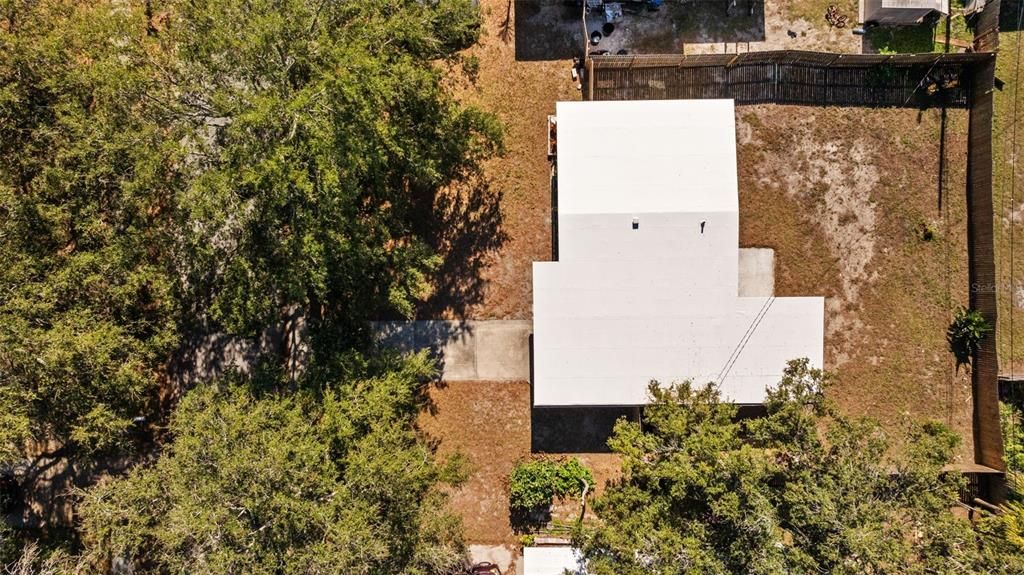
(1011, 288)
(745, 339)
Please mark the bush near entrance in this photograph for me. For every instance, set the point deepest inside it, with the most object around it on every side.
(536, 483)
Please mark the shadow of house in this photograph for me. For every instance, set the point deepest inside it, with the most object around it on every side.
(575, 429)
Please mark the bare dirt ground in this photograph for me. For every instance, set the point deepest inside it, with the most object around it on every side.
(785, 25)
(490, 423)
(552, 29)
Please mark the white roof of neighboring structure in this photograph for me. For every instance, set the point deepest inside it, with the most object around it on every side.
(646, 286)
(940, 5)
(550, 561)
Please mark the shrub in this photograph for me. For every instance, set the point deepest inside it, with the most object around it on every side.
(969, 327)
(1013, 437)
(925, 231)
(536, 483)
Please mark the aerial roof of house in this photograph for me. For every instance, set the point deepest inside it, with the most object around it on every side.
(646, 286)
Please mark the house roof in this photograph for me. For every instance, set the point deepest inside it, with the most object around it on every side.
(625, 157)
(647, 282)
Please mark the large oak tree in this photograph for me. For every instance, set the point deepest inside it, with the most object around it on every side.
(172, 167)
(262, 482)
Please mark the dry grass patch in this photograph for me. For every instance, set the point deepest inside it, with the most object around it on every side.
(1008, 200)
(848, 198)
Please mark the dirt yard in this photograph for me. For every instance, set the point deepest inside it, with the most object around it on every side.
(491, 424)
(552, 29)
(848, 198)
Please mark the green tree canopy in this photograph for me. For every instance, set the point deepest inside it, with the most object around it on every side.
(325, 134)
(87, 303)
(802, 490)
(268, 483)
(173, 167)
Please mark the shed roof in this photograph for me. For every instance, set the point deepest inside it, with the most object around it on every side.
(940, 5)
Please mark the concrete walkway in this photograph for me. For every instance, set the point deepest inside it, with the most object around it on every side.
(495, 350)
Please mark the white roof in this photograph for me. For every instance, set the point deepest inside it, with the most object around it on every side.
(646, 286)
(940, 5)
(623, 157)
(550, 560)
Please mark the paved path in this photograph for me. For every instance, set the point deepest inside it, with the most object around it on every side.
(495, 350)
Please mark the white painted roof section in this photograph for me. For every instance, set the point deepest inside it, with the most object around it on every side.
(551, 561)
(646, 157)
(625, 305)
(940, 5)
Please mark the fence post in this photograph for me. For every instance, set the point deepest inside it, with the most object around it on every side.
(775, 81)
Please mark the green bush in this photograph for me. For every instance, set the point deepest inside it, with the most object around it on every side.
(1013, 437)
(536, 483)
(969, 327)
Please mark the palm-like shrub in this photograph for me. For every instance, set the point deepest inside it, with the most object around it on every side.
(969, 327)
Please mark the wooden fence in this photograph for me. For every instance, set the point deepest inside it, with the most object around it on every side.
(788, 77)
(988, 439)
(986, 28)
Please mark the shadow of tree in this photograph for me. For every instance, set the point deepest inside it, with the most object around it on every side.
(44, 489)
(1010, 15)
(409, 337)
(465, 229)
(525, 521)
(505, 30)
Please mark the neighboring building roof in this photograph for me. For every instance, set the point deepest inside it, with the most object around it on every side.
(900, 12)
(551, 561)
(646, 286)
(940, 5)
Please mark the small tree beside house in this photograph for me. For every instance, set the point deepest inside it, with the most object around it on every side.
(535, 484)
